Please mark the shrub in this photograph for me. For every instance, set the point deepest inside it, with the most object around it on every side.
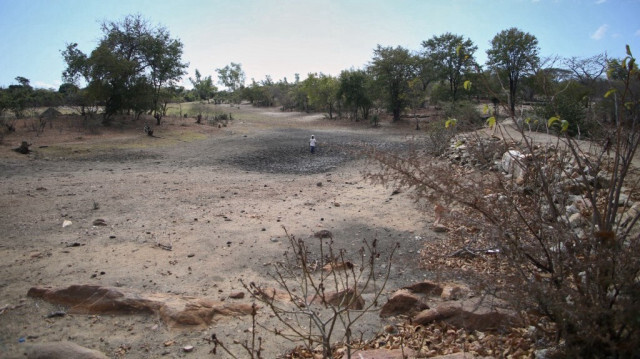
(564, 236)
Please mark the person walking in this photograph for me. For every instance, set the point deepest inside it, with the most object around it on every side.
(312, 144)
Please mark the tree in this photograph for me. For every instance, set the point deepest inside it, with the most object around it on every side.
(392, 69)
(514, 53)
(232, 77)
(131, 57)
(203, 86)
(20, 97)
(354, 91)
(452, 57)
(165, 66)
(326, 92)
(588, 72)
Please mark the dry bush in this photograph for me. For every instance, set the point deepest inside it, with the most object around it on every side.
(319, 299)
(560, 242)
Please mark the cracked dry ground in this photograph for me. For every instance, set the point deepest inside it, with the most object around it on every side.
(218, 197)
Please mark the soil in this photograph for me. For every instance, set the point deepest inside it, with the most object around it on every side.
(219, 196)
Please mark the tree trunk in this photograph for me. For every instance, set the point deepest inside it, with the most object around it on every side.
(396, 114)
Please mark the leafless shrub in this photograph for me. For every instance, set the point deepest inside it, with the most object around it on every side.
(321, 295)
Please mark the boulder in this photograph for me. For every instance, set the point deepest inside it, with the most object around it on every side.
(513, 164)
(61, 350)
(453, 292)
(460, 318)
(402, 302)
(174, 310)
(347, 297)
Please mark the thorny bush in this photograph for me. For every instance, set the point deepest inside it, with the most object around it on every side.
(564, 235)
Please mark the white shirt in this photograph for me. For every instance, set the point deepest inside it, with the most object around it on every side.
(312, 142)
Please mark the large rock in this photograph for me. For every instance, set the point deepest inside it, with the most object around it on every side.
(61, 350)
(513, 164)
(453, 291)
(402, 302)
(174, 310)
(460, 318)
(349, 298)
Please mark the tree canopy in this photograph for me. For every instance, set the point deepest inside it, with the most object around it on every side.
(392, 69)
(452, 56)
(127, 70)
(514, 53)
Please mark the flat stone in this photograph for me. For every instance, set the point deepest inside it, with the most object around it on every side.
(382, 354)
(174, 310)
(61, 350)
(460, 318)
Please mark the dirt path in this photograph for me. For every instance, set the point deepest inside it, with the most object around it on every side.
(218, 197)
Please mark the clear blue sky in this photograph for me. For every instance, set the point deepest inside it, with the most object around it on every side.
(283, 37)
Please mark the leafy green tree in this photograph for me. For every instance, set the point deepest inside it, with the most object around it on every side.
(20, 97)
(452, 57)
(232, 77)
(323, 92)
(203, 86)
(513, 54)
(392, 69)
(354, 90)
(132, 56)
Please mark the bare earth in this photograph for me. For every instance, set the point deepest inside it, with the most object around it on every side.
(218, 196)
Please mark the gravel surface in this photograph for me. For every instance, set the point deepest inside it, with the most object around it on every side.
(219, 196)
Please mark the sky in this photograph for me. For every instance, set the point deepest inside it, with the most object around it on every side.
(281, 38)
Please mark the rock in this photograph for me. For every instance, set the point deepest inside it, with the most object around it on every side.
(453, 292)
(426, 287)
(512, 163)
(174, 310)
(66, 223)
(336, 266)
(323, 234)
(271, 294)
(402, 302)
(383, 354)
(460, 318)
(439, 228)
(61, 350)
(571, 209)
(236, 295)
(347, 297)
(187, 349)
(390, 329)
(576, 220)
(99, 222)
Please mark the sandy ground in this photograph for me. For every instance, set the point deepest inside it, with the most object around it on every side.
(218, 196)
